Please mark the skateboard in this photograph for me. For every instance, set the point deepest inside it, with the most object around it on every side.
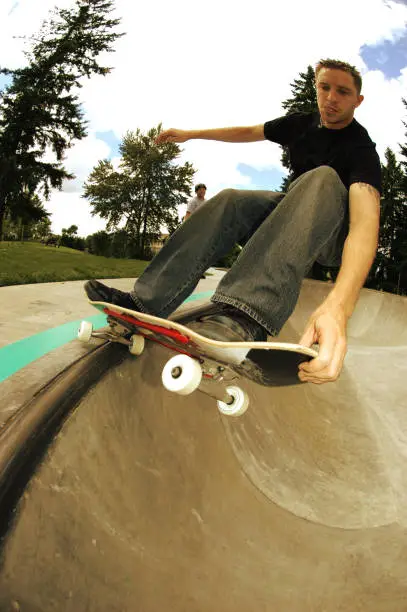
(201, 363)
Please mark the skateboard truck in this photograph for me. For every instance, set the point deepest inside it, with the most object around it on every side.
(135, 342)
(182, 374)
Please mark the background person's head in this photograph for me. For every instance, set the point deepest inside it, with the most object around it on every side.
(200, 191)
(338, 86)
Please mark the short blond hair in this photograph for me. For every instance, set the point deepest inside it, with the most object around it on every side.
(338, 65)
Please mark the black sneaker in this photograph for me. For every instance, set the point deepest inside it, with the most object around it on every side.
(98, 292)
(230, 325)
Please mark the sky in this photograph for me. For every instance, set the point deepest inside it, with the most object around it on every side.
(219, 63)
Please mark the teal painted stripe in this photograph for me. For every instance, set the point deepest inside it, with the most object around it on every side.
(15, 356)
(199, 296)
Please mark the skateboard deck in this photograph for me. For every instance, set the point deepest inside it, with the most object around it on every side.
(201, 363)
(268, 363)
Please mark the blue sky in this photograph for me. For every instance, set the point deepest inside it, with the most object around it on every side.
(13, 8)
(262, 179)
(111, 140)
(389, 57)
(172, 70)
(4, 80)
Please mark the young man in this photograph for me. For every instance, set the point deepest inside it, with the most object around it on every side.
(197, 201)
(330, 213)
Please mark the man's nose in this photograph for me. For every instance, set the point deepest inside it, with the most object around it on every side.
(331, 95)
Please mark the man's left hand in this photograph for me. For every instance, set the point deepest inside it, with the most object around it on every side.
(326, 327)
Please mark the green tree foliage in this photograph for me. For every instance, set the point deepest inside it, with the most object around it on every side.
(229, 259)
(303, 99)
(403, 151)
(70, 231)
(304, 93)
(21, 221)
(69, 238)
(40, 111)
(117, 244)
(141, 197)
(99, 243)
(41, 230)
(389, 269)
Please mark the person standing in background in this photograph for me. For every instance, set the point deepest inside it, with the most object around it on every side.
(197, 201)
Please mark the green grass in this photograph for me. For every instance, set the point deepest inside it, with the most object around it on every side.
(31, 262)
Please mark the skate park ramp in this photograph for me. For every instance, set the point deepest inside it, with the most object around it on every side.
(146, 501)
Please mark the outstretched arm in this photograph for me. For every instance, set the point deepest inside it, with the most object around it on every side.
(327, 325)
(252, 133)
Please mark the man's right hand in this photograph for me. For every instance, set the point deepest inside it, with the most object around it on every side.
(172, 135)
(326, 327)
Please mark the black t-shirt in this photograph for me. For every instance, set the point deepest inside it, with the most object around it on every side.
(350, 150)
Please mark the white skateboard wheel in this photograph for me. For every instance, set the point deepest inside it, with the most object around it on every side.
(85, 331)
(137, 344)
(181, 374)
(240, 402)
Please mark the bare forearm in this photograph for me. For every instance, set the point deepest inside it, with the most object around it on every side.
(252, 133)
(357, 258)
(232, 134)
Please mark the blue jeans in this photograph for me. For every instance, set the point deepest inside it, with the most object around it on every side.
(289, 232)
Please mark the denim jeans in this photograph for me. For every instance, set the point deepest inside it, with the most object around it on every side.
(288, 233)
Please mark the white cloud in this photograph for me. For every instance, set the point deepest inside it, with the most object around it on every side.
(83, 156)
(197, 65)
(70, 209)
(19, 19)
(382, 111)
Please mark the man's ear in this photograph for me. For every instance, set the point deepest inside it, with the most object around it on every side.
(360, 100)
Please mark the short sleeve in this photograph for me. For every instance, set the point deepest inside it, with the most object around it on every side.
(284, 130)
(365, 167)
(191, 205)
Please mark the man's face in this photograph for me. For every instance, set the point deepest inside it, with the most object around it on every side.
(337, 97)
(201, 193)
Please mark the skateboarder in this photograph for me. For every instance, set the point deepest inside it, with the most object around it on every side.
(329, 214)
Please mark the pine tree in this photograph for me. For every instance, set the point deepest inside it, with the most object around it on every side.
(304, 99)
(392, 250)
(403, 151)
(143, 196)
(400, 246)
(40, 111)
(304, 92)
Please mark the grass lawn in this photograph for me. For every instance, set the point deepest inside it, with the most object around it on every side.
(30, 262)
